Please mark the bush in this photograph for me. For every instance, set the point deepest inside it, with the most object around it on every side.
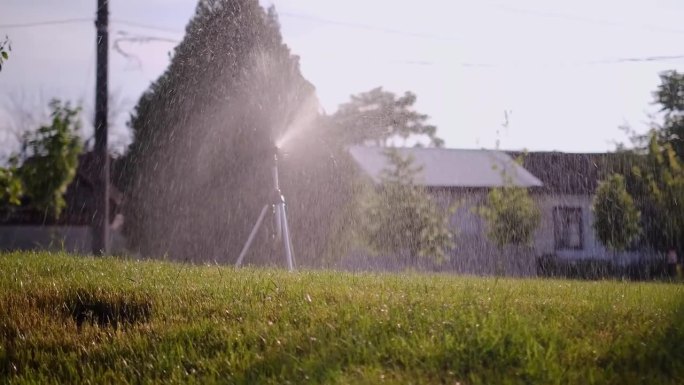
(551, 266)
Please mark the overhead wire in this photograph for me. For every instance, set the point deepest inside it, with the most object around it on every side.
(369, 27)
(32, 24)
(126, 37)
(47, 23)
(569, 17)
(145, 26)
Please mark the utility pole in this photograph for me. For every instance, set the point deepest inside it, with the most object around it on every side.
(100, 225)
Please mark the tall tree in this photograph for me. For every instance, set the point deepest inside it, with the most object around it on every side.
(378, 116)
(616, 218)
(198, 170)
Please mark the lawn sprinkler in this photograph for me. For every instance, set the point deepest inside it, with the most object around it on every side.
(277, 205)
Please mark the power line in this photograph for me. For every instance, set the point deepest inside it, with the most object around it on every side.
(511, 64)
(129, 23)
(620, 60)
(583, 19)
(638, 59)
(47, 23)
(365, 27)
(145, 26)
(146, 39)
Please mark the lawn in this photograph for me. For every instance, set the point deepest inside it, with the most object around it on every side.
(67, 319)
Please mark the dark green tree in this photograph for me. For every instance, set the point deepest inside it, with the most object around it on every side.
(198, 170)
(50, 159)
(616, 218)
(378, 116)
(401, 218)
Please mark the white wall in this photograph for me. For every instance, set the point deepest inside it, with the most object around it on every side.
(474, 253)
(473, 249)
(592, 247)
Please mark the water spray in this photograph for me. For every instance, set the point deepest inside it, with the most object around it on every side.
(277, 204)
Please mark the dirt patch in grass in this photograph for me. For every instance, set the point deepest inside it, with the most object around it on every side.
(107, 310)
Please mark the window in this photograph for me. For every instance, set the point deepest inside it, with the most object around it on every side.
(567, 228)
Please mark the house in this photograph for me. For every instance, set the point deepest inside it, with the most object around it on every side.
(569, 182)
(562, 184)
(24, 228)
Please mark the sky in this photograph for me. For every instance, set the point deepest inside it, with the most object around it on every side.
(567, 74)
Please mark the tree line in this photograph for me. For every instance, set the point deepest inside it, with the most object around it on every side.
(642, 203)
(198, 169)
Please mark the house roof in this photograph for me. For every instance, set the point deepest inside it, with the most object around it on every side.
(450, 167)
(573, 173)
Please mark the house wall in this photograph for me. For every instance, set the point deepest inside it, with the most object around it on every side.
(473, 252)
(72, 239)
(592, 248)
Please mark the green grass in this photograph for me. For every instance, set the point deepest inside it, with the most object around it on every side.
(66, 319)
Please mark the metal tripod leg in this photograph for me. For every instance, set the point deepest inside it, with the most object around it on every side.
(289, 256)
(250, 239)
(281, 218)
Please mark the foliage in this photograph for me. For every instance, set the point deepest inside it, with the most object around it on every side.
(659, 185)
(11, 186)
(374, 117)
(512, 216)
(5, 49)
(199, 169)
(378, 116)
(670, 97)
(51, 158)
(213, 324)
(402, 217)
(616, 218)
(656, 180)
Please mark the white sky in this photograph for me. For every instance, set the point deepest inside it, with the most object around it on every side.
(468, 61)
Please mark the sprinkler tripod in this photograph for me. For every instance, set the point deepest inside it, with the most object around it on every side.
(282, 228)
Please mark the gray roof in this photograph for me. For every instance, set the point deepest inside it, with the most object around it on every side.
(444, 167)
